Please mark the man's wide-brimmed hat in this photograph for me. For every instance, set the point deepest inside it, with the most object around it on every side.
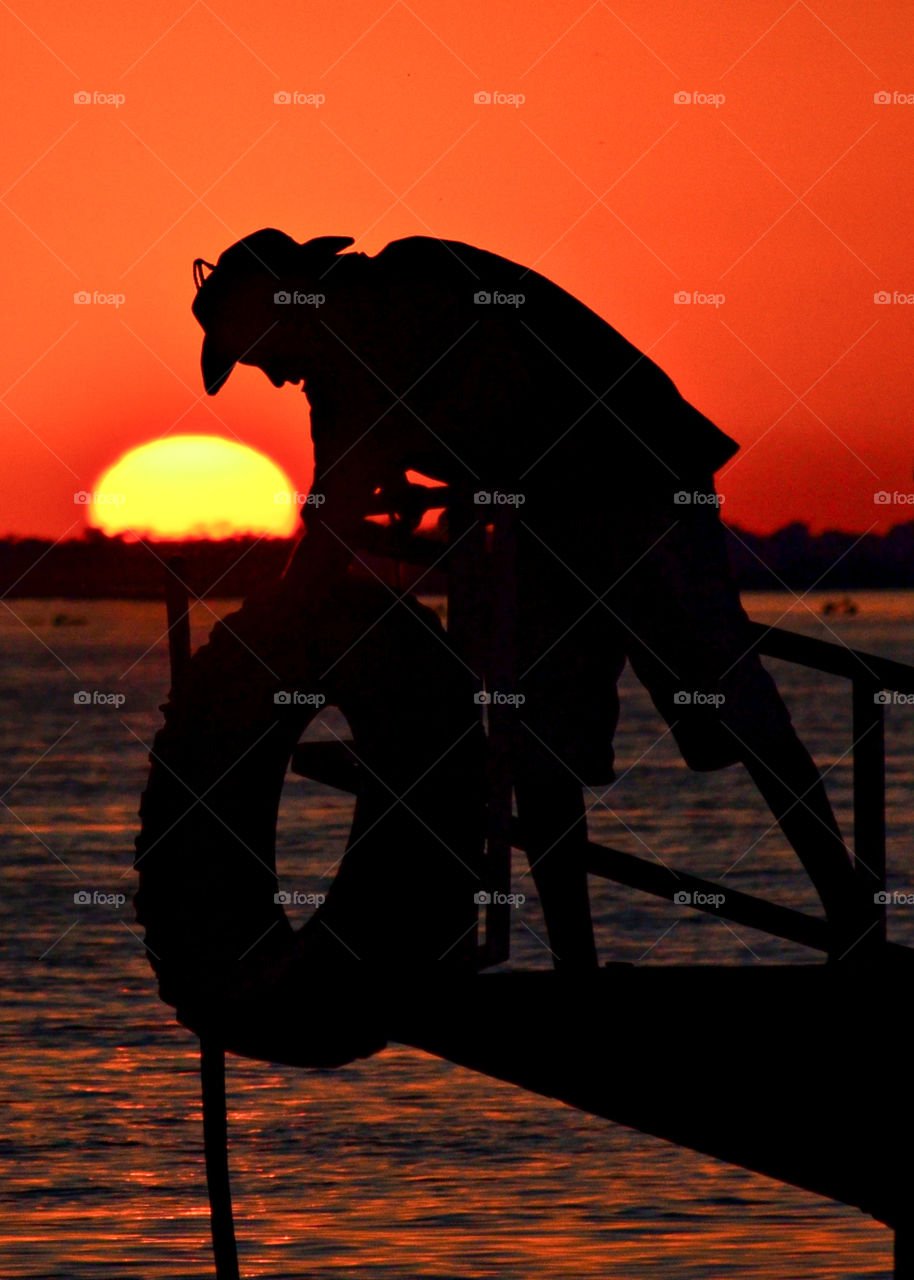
(269, 253)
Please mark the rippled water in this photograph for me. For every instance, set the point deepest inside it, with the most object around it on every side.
(401, 1165)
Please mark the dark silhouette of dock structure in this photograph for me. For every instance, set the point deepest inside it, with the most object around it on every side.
(795, 1072)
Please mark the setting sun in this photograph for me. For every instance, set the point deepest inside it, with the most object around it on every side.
(192, 486)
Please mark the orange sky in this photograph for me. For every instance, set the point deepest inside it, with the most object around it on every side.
(792, 198)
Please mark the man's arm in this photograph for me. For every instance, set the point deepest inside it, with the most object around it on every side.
(336, 509)
(350, 465)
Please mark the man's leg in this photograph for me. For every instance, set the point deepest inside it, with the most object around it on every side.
(697, 642)
(783, 771)
(567, 672)
(755, 730)
(550, 810)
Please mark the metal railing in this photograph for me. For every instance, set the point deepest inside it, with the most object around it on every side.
(478, 561)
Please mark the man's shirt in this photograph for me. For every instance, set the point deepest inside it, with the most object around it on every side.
(445, 359)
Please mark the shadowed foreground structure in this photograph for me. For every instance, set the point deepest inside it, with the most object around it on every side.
(783, 1070)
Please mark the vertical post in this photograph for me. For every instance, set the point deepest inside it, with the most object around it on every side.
(466, 601)
(176, 608)
(869, 800)
(481, 626)
(500, 678)
(466, 582)
(212, 1055)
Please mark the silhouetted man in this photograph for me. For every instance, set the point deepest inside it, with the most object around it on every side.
(441, 358)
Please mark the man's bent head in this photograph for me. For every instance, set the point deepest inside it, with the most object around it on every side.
(240, 303)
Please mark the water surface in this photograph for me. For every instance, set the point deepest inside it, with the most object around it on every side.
(401, 1165)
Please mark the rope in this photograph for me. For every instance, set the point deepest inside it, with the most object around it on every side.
(215, 1145)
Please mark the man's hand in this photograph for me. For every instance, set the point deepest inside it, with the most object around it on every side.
(405, 502)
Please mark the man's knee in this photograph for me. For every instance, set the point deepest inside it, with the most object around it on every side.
(739, 714)
(753, 710)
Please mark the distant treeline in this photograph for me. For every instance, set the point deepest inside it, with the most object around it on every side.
(102, 568)
(98, 567)
(793, 557)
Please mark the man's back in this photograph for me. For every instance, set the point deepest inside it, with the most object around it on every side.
(502, 370)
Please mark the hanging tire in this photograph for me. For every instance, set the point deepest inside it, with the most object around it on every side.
(401, 908)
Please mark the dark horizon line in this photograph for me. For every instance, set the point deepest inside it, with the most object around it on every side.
(90, 535)
(101, 567)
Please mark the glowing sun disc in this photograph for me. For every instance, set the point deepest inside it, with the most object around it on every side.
(192, 487)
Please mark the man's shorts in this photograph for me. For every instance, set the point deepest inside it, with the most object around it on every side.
(649, 581)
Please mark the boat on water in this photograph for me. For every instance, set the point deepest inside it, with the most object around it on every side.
(843, 607)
